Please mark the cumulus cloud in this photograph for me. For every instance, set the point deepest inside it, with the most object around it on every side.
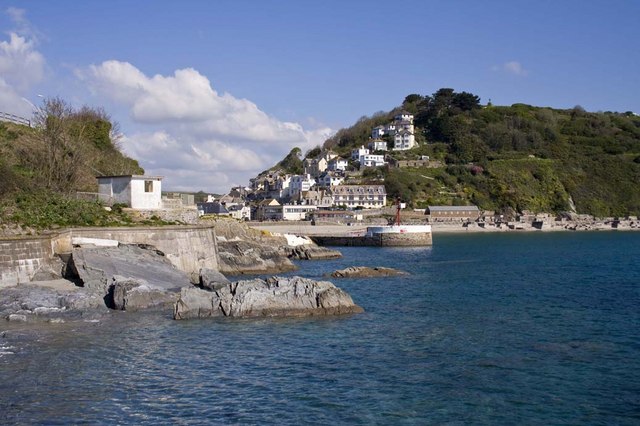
(21, 66)
(513, 68)
(201, 139)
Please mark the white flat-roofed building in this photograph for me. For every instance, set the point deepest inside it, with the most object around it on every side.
(297, 211)
(371, 160)
(136, 191)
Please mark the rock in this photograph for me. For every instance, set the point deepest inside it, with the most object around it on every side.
(311, 252)
(17, 318)
(275, 296)
(211, 279)
(131, 295)
(366, 272)
(96, 267)
(251, 257)
(43, 303)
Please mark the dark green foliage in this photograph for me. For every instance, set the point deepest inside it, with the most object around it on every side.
(292, 163)
(531, 158)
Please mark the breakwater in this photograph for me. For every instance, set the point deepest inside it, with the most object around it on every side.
(376, 240)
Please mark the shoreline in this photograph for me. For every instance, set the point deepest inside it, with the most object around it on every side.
(306, 229)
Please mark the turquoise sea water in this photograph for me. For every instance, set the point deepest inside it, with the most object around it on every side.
(487, 329)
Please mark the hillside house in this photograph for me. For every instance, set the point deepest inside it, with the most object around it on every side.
(378, 132)
(338, 164)
(318, 197)
(300, 183)
(136, 191)
(377, 145)
(371, 160)
(328, 179)
(404, 140)
(359, 152)
(401, 129)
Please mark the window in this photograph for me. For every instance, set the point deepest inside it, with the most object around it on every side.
(148, 186)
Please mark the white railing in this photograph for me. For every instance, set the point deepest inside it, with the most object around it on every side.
(5, 116)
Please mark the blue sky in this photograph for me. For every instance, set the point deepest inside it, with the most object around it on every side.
(209, 93)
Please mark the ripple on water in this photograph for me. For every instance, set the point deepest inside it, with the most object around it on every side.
(498, 329)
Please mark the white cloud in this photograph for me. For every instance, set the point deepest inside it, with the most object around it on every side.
(512, 67)
(21, 66)
(200, 139)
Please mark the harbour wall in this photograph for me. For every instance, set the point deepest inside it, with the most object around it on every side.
(379, 240)
(188, 248)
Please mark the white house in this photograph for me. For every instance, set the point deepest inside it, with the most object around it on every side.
(378, 132)
(338, 164)
(328, 180)
(240, 212)
(371, 160)
(404, 140)
(403, 116)
(357, 153)
(136, 191)
(300, 183)
(377, 145)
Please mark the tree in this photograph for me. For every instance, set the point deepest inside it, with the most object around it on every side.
(292, 163)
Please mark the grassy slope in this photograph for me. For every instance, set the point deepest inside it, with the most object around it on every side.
(526, 158)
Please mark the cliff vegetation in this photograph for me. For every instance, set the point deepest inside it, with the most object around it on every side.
(517, 157)
(43, 167)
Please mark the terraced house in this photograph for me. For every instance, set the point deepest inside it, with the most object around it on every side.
(366, 196)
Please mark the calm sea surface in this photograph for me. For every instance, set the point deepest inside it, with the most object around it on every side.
(487, 329)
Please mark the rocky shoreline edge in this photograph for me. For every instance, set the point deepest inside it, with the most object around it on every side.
(99, 277)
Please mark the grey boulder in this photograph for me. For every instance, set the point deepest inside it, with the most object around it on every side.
(273, 297)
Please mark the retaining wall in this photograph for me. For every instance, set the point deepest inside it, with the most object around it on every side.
(21, 258)
(187, 248)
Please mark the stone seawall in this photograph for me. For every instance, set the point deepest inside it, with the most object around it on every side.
(188, 248)
(379, 240)
(21, 258)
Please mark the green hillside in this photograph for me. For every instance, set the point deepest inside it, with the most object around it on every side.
(42, 167)
(516, 157)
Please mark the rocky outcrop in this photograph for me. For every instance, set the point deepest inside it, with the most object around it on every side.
(128, 294)
(128, 277)
(251, 257)
(212, 280)
(276, 296)
(311, 252)
(366, 272)
(49, 301)
(97, 267)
